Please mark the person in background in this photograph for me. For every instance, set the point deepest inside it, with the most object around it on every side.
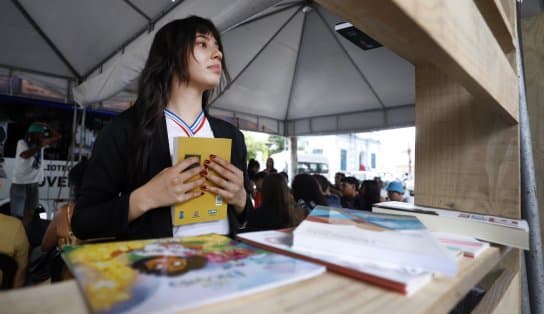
(278, 209)
(257, 195)
(395, 191)
(270, 166)
(130, 182)
(14, 243)
(369, 194)
(306, 192)
(337, 188)
(350, 193)
(325, 186)
(253, 167)
(28, 170)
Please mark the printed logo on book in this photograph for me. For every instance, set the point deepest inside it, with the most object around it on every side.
(212, 212)
(218, 200)
(196, 214)
(181, 214)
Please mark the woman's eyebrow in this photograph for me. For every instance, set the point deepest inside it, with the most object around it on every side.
(207, 38)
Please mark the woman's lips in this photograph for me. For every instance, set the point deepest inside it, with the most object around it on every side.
(215, 68)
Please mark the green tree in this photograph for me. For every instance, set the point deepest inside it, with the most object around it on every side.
(253, 146)
(277, 144)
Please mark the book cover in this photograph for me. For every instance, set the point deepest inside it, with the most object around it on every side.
(469, 246)
(366, 236)
(506, 231)
(397, 278)
(165, 275)
(208, 207)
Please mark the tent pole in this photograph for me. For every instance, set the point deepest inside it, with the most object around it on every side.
(529, 201)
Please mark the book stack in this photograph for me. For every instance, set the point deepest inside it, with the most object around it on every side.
(505, 231)
(394, 252)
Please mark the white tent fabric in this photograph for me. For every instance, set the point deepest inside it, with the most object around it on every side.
(292, 67)
(125, 66)
(292, 74)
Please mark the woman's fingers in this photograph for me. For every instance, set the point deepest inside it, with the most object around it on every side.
(226, 170)
(185, 163)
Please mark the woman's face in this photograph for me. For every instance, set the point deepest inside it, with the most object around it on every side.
(205, 64)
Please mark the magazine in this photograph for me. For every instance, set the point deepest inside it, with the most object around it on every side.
(164, 275)
(506, 231)
(366, 236)
(393, 277)
(208, 207)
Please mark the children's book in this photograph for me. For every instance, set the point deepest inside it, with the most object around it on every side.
(506, 231)
(401, 279)
(208, 207)
(469, 246)
(379, 238)
(166, 275)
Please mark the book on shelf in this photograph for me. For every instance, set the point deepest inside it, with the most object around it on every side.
(469, 246)
(506, 231)
(172, 274)
(371, 237)
(397, 278)
(208, 207)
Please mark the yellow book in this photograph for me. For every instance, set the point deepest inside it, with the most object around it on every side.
(208, 207)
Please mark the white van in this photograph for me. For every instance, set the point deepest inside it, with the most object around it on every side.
(307, 163)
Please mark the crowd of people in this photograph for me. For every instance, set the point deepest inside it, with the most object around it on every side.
(307, 191)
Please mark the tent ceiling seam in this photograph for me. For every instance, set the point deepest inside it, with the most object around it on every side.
(49, 42)
(131, 39)
(138, 10)
(260, 17)
(295, 68)
(351, 60)
(254, 58)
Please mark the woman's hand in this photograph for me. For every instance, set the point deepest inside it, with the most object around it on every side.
(168, 187)
(228, 180)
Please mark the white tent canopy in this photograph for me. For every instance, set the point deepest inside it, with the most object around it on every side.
(292, 74)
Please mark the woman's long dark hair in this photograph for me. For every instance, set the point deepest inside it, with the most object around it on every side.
(168, 57)
(277, 198)
(305, 187)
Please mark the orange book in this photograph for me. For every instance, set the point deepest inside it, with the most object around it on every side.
(208, 207)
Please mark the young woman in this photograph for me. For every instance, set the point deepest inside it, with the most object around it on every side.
(130, 182)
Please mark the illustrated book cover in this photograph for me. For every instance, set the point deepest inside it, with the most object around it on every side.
(397, 278)
(371, 237)
(172, 274)
(506, 231)
(208, 207)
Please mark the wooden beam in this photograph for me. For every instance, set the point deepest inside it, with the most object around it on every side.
(466, 159)
(452, 35)
(496, 17)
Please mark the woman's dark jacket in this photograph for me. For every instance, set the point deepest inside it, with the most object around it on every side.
(103, 201)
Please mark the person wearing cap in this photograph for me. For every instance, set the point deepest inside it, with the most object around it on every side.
(395, 191)
(28, 170)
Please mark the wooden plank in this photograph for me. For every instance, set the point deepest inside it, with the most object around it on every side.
(496, 17)
(533, 58)
(452, 35)
(504, 296)
(466, 159)
(328, 293)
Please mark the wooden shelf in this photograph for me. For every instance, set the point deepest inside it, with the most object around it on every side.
(328, 293)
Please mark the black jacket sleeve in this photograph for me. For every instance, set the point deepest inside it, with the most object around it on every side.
(103, 201)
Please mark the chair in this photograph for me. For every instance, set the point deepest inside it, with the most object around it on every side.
(8, 266)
